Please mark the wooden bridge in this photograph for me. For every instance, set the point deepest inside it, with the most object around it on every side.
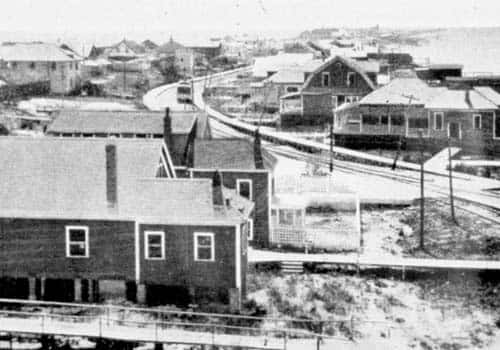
(156, 326)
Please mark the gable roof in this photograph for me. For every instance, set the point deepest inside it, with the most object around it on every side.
(120, 122)
(398, 92)
(230, 153)
(70, 174)
(353, 64)
(149, 44)
(266, 64)
(35, 51)
(169, 47)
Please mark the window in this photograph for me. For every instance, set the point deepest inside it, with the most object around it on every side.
(250, 229)
(350, 78)
(397, 120)
(370, 119)
(290, 89)
(14, 65)
(53, 66)
(76, 66)
(244, 188)
(77, 242)
(354, 119)
(384, 119)
(204, 246)
(418, 123)
(154, 245)
(477, 121)
(325, 79)
(285, 217)
(438, 120)
(32, 65)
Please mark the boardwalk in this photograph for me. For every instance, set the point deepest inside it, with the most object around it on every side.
(261, 256)
(138, 325)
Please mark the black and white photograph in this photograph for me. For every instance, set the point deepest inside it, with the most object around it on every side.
(250, 175)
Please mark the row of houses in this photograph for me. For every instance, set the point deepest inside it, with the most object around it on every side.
(141, 204)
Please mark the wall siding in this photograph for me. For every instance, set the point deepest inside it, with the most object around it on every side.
(179, 267)
(261, 193)
(33, 247)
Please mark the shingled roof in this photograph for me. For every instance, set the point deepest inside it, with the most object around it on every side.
(230, 153)
(71, 175)
(120, 122)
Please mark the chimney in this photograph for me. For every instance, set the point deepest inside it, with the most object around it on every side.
(167, 129)
(111, 177)
(218, 196)
(257, 150)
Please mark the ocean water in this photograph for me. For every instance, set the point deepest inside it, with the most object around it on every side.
(477, 49)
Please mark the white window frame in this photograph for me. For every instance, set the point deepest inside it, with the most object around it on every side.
(68, 242)
(323, 74)
(435, 114)
(146, 244)
(250, 183)
(474, 121)
(348, 81)
(212, 246)
(250, 229)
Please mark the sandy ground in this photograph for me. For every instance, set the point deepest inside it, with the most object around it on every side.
(404, 315)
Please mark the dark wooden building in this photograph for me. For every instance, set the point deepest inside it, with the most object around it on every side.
(245, 168)
(82, 219)
(336, 81)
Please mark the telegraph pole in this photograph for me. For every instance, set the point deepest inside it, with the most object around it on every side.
(331, 147)
(450, 175)
(422, 200)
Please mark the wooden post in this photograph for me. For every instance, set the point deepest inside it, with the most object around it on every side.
(422, 204)
(78, 290)
(331, 147)
(32, 288)
(450, 176)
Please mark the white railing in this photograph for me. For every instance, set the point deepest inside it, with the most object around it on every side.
(342, 237)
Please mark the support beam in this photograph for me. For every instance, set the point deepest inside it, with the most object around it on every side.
(141, 293)
(78, 290)
(32, 288)
(234, 299)
(42, 288)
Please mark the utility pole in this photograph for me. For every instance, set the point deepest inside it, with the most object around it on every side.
(422, 203)
(331, 147)
(450, 175)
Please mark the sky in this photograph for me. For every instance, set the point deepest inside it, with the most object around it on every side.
(105, 21)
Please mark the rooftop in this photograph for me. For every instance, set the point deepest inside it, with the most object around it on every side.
(401, 91)
(228, 153)
(71, 175)
(35, 51)
(120, 122)
(461, 100)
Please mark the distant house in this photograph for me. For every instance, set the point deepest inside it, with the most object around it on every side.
(27, 63)
(288, 80)
(179, 128)
(208, 48)
(334, 82)
(439, 72)
(90, 218)
(406, 107)
(149, 45)
(247, 169)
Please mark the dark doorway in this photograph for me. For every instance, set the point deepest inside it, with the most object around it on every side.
(167, 295)
(454, 130)
(59, 290)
